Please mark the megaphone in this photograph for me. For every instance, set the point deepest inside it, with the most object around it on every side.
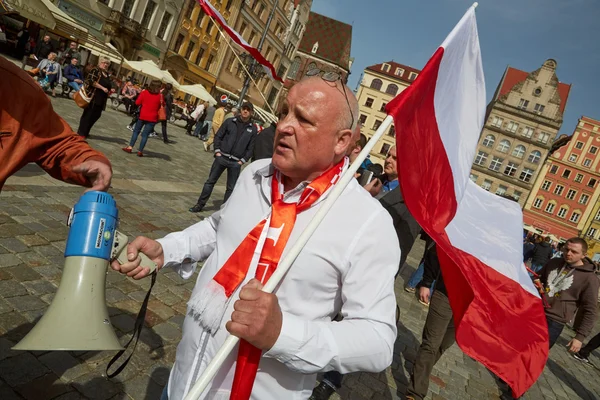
(77, 318)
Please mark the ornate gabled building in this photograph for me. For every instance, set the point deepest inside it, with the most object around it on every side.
(522, 121)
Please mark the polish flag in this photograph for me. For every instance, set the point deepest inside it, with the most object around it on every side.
(498, 314)
(236, 37)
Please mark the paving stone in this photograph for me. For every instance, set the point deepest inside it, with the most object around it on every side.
(49, 271)
(23, 273)
(151, 318)
(40, 287)
(48, 251)
(14, 245)
(142, 388)
(33, 240)
(11, 288)
(21, 369)
(44, 388)
(177, 320)
(8, 260)
(26, 303)
(13, 230)
(168, 298)
(123, 322)
(6, 393)
(64, 365)
(168, 331)
(114, 295)
(5, 307)
(95, 387)
(34, 259)
(160, 309)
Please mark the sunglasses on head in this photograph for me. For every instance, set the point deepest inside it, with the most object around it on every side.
(332, 77)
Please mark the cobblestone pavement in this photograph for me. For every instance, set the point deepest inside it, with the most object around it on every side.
(153, 194)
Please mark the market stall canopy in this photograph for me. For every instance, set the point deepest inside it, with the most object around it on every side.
(529, 228)
(199, 92)
(145, 67)
(553, 238)
(34, 10)
(167, 77)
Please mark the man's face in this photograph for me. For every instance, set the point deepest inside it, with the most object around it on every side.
(573, 253)
(245, 114)
(308, 139)
(73, 61)
(390, 166)
(73, 46)
(46, 38)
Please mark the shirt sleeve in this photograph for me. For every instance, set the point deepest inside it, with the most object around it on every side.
(92, 78)
(588, 305)
(250, 148)
(364, 339)
(182, 250)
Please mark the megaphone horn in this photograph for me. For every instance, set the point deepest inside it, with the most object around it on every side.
(77, 318)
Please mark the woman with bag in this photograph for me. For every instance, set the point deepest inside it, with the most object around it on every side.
(50, 73)
(96, 89)
(150, 102)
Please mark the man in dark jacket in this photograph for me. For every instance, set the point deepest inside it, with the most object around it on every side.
(541, 254)
(44, 48)
(234, 143)
(263, 146)
(73, 75)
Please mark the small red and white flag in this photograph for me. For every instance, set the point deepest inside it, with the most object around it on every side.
(498, 314)
(237, 38)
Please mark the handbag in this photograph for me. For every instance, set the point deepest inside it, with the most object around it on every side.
(44, 83)
(162, 111)
(81, 98)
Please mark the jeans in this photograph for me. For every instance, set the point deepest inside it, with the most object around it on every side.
(75, 86)
(333, 378)
(220, 164)
(416, 276)
(592, 345)
(536, 267)
(554, 330)
(198, 129)
(208, 127)
(165, 393)
(148, 128)
(438, 336)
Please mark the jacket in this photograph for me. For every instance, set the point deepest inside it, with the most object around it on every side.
(150, 103)
(541, 253)
(218, 119)
(198, 111)
(72, 72)
(168, 97)
(43, 49)
(235, 139)
(263, 146)
(568, 289)
(41, 136)
(48, 65)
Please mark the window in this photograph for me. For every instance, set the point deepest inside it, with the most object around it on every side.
(571, 194)
(188, 11)
(584, 198)
(550, 207)
(164, 23)
(377, 124)
(526, 174)
(591, 232)
(578, 178)
(230, 63)
(593, 149)
(251, 37)
(496, 163)
(501, 191)
(382, 108)
(592, 182)
(517, 195)
(200, 19)
(562, 212)
(272, 95)
(546, 185)
(261, 10)
(376, 84)
(539, 108)
(504, 146)
(178, 43)
(512, 127)
(362, 119)
(293, 72)
(519, 151)
(473, 178)
(587, 162)
(554, 169)
(385, 148)
(559, 189)
(573, 157)
(369, 102)
(243, 28)
(412, 76)
(597, 217)
(523, 104)
(543, 137)
(497, 122)
(575, 216)
(209, 62)
(511, 169)
(579, 145)
(190, 49)
(534, 157)
(481, 158)
(385, 67)
(527, 132)
(486, 185)
(399, 72)
(489, 141)
(392, 131)
(566, 173)
(128, 6)
(538, 203)
(148, 12)
(199, 55)
(228, 5)
(392, 89)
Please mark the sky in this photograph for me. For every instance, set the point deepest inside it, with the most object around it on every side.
(519, 33)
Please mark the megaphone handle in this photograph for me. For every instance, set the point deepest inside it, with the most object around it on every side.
(120, 245)
(137, 330)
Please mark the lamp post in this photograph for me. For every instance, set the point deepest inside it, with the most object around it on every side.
(253, 62)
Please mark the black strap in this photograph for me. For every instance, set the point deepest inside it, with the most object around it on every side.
(137, 330)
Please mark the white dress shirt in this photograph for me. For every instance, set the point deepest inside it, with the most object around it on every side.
(347, 267)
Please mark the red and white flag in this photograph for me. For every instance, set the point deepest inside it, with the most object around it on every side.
(236, 37)
(498, 314)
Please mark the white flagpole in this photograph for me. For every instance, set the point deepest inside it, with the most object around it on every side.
(289, 259)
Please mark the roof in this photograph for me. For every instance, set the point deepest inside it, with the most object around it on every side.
(514, 76)
(405, 76)
(334, 38)
(590, 120)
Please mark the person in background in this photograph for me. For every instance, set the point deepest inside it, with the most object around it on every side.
(542, 252)
(263, 145)
(528, 247)
(208, 121)
(217, 121)
(149, 102)
(197, 116)
(189, 120)
(22, 40)
(168, 103)
(72, 53)
(98, 86)
(44, 48)
(51, 70)
(232, 113)
(128, 95)
(74, 75)
(43, 137)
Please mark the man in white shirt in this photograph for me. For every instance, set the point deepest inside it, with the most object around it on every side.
(347, 267)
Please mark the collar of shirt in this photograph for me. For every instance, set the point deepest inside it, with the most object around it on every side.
(390, 185)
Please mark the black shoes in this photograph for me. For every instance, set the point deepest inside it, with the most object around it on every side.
(196, 209)
(322, 392)
(581, 358)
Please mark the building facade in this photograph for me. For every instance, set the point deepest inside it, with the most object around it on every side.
(197, 48)
(563, 197)
(379, 85)
(326, 44)
(278, 48)
(521, 123)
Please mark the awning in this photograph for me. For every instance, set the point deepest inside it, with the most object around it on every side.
(101, 49)
(263, 114)
(199, 92)
(34, 10)
(146, 67)
(64, 22)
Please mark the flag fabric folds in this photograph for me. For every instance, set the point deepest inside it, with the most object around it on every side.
(498, 314)
(237, 38)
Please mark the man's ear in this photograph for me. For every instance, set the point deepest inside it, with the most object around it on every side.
(344, 140)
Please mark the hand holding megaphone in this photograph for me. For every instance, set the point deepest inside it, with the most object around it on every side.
(132, 260)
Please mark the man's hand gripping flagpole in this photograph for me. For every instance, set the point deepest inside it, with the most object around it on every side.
(289, 259)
